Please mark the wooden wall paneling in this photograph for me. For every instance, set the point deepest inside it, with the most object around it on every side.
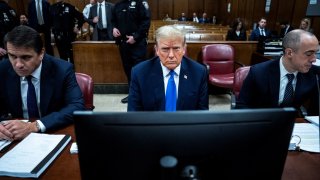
(234, 13)
(285, 12)
(223, 11)
(154, 9)
(259, 10)
(196, 6)
(272, 16)
(299, 12)
(316, 26)
(211, 7)
(242, 9)
(180, 6)
(165, 7)
(248, 17)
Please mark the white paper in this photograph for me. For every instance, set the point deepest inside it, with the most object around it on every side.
(25, 156)
(309, 136)
(313, 119)
(4, 143)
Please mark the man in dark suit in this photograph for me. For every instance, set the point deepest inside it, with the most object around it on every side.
(35, 86)
(268, 84)
(285, 28)
(260, 31)
(103, 31)
(183, 17)
(39, 19)
(150, 79)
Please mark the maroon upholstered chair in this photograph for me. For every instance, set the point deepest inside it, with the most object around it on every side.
(219, 59)
(86, 85)
(239, 76)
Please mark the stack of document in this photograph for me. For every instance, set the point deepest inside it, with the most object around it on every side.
(307, 134)
(32, 155)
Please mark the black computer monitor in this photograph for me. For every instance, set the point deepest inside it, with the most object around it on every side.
(237, 144)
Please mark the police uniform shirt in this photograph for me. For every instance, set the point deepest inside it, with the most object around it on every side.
(8, 20)
(132, 18)
(64, 16)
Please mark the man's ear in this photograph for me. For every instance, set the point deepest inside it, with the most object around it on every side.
(156, 49)
(288, 52)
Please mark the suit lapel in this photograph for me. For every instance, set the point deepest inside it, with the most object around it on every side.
(14, 93)
(274, 82)
(46, 84)
(183, 85)
(156, 77)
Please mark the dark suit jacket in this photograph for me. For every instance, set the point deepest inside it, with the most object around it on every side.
(255, 34)
(147, 91)
(232, 36)
(60, 94)
(32, 14)
(93, 13)
(261, 88)
(282, 31)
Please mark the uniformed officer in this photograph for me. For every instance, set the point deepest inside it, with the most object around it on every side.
(131, 20)
(66, 22)
(8, 20)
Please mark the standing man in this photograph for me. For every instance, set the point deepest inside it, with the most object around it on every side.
(287, 82)
(67, 22)
(35, 86)
(39, 19)
(260, 31)
(8, 20)
(169, 81)
(86, 9)
(131, 20)
(100, 18)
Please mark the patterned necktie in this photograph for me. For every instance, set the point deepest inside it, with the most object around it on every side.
(171, 93)
(32, 106)
(39, 13)
(262, 32)
(288, 93)
(100, 25)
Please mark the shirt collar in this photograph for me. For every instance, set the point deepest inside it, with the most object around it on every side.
(166, 71)
(283, 71)
(36, 73)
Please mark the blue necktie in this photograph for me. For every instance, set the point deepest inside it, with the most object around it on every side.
(171, 93)
(32, 100)
(100, 25)
(288, 93)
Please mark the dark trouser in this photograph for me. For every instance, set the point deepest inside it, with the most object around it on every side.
(64, 44)
(47, 37)
(103, 35)
(132, 54)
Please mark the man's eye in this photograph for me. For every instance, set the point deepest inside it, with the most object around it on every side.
(309, 53)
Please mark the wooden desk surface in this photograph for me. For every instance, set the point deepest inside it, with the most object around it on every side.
(299, 165)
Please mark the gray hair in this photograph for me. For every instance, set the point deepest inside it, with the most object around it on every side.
(168, 32)
(293, 39)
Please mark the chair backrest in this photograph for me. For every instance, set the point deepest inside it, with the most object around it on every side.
(219, 57)
(239, 76)
(86, 85)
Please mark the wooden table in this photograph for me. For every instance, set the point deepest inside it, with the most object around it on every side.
(299, 165)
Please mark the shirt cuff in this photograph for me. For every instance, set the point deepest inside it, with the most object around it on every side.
(42, 127)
